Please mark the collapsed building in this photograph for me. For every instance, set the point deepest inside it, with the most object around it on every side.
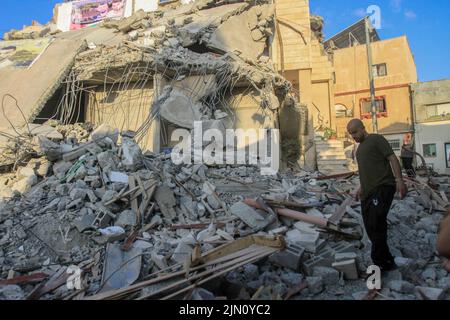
(89, 185)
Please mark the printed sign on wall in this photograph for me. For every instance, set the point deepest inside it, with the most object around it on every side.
(88, 12)
(21, 53)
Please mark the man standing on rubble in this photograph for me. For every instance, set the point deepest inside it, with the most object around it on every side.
(381, 177)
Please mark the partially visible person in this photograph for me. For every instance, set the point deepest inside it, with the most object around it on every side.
(407, 155)
(443, 242)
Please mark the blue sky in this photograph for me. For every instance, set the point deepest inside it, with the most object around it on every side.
(426, 23)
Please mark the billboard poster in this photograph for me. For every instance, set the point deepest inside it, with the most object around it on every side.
(89, 12)
(22, 53)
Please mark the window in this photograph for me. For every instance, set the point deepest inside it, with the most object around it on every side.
(438, 111)
(379, 70)
(395, 144)
(429, 150)
(366, 107)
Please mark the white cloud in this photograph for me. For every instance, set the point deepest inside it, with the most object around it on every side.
(361, 12)
(410, 14)
(396, 5)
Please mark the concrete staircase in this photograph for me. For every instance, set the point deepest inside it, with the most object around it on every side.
(331, 157)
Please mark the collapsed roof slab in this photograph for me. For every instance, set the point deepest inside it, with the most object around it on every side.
(34, 86)
(244, 33)
(204, 19)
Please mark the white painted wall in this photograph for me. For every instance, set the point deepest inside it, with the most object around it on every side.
(395, 137)
(64, 16)
(439, 134)
(146, 5)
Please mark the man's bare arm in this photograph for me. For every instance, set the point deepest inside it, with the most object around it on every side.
(443, 242)
(397, 170)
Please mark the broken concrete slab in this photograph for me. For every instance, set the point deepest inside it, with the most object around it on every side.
(315, 284)
(182, 253)
(122, 268)
(86, 223)
(104, 132)
(108, 160)
(329, 276)
(427, 293)
(237, 33)
(131, 154)
(126, 219)
(11, 292)
(401, 286)
(24, 185)
(120, 177)
(166, 201)
(257, 220)
(179, 109)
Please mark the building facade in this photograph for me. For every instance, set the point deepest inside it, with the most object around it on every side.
(394, 71)
(431, 101)
(299, 55)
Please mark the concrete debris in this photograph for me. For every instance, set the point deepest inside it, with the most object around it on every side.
(105, 135)
(348, 268)
(329, 276)
(315, 284)
(257, 220)
(426, 293)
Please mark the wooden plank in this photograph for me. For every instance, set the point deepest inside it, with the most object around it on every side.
(134, 202)
(228, 266)
(216, 274)
(25, 279)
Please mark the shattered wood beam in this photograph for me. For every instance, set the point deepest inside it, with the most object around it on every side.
(134, 202)
(220, 273)
(268, 241)
(25, 279)
(213, 257)
(321, 222)
(195, 226)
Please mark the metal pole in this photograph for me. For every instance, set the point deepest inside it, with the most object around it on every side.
(371, 80)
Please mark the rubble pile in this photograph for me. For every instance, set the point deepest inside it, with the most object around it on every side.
(35, 31)
(90, 200)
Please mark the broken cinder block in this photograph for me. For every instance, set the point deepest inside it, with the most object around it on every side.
(348, 268)
(289, 258)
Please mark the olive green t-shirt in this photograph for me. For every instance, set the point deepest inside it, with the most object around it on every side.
(374, 167)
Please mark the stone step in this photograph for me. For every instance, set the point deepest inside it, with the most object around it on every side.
(332, 162)
(330, 143)
(334, 148)
(330, 152)
(343, 157)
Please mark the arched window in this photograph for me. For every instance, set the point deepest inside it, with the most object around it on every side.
(341, 111)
